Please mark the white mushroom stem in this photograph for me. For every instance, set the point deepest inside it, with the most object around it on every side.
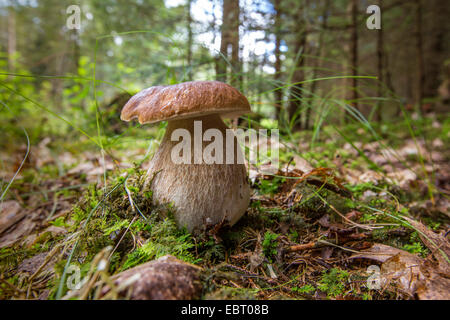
(202, 194)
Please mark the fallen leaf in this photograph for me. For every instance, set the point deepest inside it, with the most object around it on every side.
(23, 223)
(370, 176)
(379, 252)
(300, 164)
(402, 177)
(434, 286)
(9, 214)
(31, 265)
(437, 243)
(404, 269)
(353, 215)
(412, 274)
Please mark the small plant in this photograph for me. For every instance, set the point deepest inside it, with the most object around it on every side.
(293, 235)
(270, 186)
(366, 296)
(59, 222)
(120, 224)
(333, 282)
(415, 248)
(209, 250)
(306, 289)
(415, 245)
(270, 245)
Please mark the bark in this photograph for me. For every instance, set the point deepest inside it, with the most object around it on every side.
(318, 61)
(11, 39)
(295, 96)
(236, 80)
(434, 49)
(380, 54)
(76, 50)
(229, 45)
(278, 94)
(57, 83)
(353, 53)
(190, 40)
(419, 54)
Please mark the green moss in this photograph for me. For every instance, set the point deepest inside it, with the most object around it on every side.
(306, 289)
(270, 245)
(231, 293)
(270, 187)
(333, 282)
(164, 238)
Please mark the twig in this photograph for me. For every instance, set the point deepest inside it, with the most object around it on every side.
(121, 238)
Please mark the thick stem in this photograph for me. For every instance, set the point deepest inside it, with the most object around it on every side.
(202, 194)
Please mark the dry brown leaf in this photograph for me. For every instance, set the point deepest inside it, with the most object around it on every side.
(402, 177)
(31, 265)
(437, 243)
(21, 230)
(9, 214)
(18, 223)
(300, 163)
(379, 252)
(412, 274)
(398, 266)
(404, 269)
(434, 286)
(370, 176)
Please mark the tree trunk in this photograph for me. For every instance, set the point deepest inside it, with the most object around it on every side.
(216, 32)
(189, 41)
(229, 45)
(380, 55)
(236, 79)
(318, 61)
(419, 55)
(278, 94)
(437, 18)
(295, 96)
(11, 39)
(353, 53)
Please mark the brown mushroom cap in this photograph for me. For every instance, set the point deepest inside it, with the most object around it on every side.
(185, 100)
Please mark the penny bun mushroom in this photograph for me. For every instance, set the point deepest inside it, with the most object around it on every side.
(202, 193)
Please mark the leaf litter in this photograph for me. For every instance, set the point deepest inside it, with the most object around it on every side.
(310, 231)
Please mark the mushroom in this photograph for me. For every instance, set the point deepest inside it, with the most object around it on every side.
(202, 193)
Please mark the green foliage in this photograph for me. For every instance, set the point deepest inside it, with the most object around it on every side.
(9, 258)
(270, 245)
(211, 251)
(59, 222)
(416, 248)
(78, 214)
(164, 239)
(367, 296)
(360, 188)
(333, 282)
(120, 224)
(415, 245)
(52, 94)
(270, 187)
(306, 289)
(293, 235)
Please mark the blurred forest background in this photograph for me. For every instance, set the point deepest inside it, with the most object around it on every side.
(364, 127)
(276, 52)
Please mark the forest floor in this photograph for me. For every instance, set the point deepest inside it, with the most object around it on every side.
(339, 210)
